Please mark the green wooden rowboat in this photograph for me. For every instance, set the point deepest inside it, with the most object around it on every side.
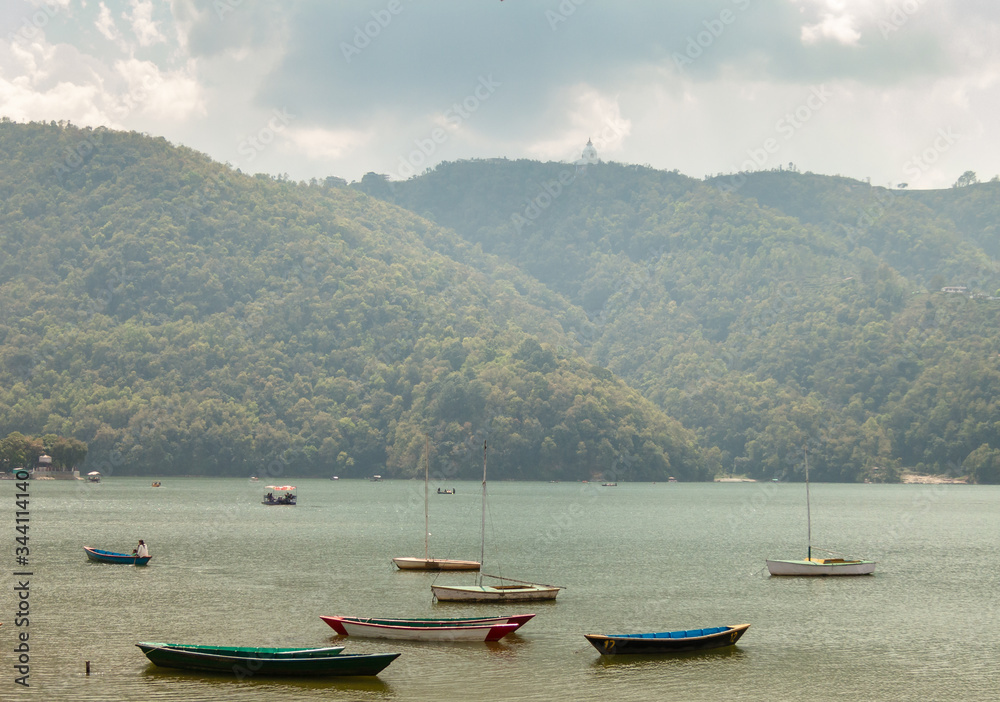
(245, 661)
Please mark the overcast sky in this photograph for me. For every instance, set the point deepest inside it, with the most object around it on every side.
(891, 90)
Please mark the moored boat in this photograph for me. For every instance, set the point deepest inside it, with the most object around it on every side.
(821, 566)
(818, 566)
(245, 661)
(507, 589)
(102, 556)
(519, 619)
(668, 641)
(458, 629)
(426, 562)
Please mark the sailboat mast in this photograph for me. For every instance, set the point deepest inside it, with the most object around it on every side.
(482, 532)
(809, 537)
(427, 461)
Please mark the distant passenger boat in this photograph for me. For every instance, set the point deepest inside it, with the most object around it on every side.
(287, 499)
(668, 641)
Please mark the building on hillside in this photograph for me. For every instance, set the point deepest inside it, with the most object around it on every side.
(589, 155)
(960, 289)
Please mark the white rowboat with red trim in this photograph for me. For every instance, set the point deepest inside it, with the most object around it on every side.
(458, 629)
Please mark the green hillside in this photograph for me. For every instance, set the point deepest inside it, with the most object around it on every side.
(767, 311)
(182, 318)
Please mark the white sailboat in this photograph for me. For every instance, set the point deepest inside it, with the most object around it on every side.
(818, 566)
(506, 589)
(428, 563)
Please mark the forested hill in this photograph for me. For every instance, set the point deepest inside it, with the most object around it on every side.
(182, 318)
(767, 311)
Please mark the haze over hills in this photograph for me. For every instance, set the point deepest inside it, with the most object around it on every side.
(767, 311)
(609, 321)
(181, 318)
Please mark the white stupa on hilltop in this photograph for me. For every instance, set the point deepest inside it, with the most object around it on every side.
(589, 155)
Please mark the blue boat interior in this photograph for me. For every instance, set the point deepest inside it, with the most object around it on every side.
(683, 634)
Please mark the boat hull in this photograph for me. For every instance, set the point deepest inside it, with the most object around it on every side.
(415, 563)
(668, 641)
(246, 662)
(420, 630)
(821, 566)
(101, 556)
(489, 593)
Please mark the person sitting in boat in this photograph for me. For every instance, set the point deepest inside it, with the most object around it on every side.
(141, 551)
(269, 497)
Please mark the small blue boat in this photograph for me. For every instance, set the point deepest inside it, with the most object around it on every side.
(668, 641)
(102, 556)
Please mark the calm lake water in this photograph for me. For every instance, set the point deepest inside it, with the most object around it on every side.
(638, 557)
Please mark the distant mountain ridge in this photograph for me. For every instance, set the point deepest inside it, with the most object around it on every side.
(607, 320)
(182, 318)
(794, 310)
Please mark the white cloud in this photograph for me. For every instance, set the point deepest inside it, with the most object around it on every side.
(175, 68)
(322, 144)
(838, 28)
(146, 30)
(106, 24)
(171, 95)
(44, 81)
(77, 103)
(591, 117)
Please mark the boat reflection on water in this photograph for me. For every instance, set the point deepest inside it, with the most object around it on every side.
(713, 656)
(220, 687)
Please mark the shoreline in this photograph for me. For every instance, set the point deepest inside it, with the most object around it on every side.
(922, 479)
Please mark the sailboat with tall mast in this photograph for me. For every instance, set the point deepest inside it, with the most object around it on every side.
(428, 563)
(506, 589)
(818, 566)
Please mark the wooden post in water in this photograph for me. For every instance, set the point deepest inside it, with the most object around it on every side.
(88, 668)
